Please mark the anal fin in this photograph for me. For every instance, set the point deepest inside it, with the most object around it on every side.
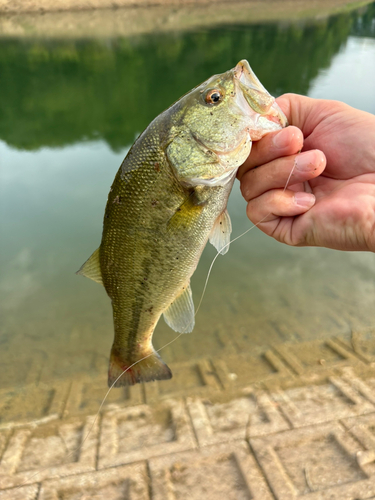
(180, 314)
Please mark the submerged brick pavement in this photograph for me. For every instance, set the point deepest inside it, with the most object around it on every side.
(297, 422)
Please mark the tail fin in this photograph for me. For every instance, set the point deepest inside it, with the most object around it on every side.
(146, 369)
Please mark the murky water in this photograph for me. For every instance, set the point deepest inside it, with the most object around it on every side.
(69, 112)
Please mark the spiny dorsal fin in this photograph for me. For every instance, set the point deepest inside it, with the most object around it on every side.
(91, 268)
(180, 314)
(220, 233)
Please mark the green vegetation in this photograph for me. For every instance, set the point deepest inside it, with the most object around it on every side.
(57, 93)
(364, 24)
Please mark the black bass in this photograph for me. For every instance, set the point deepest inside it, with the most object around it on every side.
(168, 199)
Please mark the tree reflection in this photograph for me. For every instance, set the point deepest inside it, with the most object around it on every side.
(57, 93)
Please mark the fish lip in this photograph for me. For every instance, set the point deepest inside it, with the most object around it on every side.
(280, 115)
(246, 77)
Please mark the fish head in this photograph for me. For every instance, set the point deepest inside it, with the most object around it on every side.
(217, 122)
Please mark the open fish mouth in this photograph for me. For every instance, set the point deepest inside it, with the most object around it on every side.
(251, 91)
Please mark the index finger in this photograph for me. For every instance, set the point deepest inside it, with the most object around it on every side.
(286, 142)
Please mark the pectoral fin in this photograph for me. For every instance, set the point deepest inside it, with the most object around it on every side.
(180, 314)
(220, 233)
(91, 268)
(187, 213)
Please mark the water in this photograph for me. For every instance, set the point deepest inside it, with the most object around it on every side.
(69, 110)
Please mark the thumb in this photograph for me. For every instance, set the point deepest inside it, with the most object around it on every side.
(301, 111)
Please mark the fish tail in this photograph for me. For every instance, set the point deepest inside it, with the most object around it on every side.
(148, 367)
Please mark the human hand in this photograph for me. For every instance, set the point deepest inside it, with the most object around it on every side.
(330, 197)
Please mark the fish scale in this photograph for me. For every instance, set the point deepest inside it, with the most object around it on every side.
(168, 198)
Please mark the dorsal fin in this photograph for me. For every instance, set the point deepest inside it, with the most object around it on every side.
(91, 268)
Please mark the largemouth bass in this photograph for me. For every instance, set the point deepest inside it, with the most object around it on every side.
(168, 199)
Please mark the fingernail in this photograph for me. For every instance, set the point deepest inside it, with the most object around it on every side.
(282, 139)
(304, 199)
(305, 161)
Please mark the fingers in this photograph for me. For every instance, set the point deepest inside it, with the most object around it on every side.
(302, 112)
(272, 207)
(275, 204)
(292, 169)
(274, 213)
(286, 142)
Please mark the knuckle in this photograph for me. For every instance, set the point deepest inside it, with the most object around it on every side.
(251, 211)
(245, 187)
(274, 196)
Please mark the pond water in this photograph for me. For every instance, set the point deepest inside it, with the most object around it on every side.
(69, 111)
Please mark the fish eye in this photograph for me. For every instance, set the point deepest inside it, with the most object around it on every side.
(213, 96)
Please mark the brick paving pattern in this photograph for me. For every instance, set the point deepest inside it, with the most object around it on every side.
(295, 422)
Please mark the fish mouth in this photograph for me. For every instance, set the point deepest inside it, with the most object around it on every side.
(256, 96)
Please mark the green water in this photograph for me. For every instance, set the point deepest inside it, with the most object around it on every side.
(69, 110)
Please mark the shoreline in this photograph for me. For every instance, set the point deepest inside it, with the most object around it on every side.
(105, 18)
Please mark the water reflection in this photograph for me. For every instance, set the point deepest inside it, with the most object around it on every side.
(358, 61)
(58, 93)
(68, 112)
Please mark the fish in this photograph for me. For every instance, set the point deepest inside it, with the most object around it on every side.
(168, 199)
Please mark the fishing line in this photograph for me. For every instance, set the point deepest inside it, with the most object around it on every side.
(238, 237)
(218, 253)
(100, 407)
(157, 350)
